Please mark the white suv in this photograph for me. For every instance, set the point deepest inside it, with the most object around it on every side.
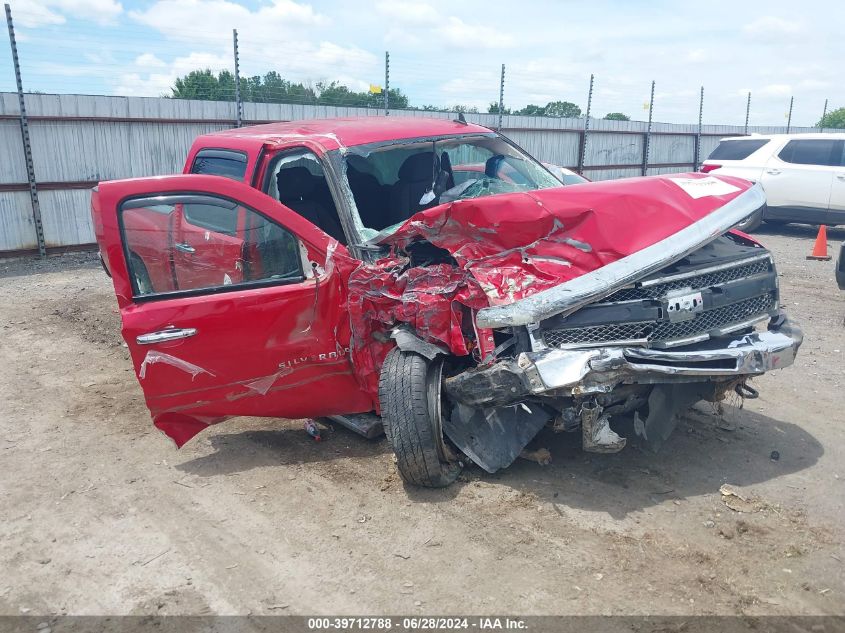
(803, 175)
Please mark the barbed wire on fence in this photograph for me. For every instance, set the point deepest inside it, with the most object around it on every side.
(433, 83)
(554, 113)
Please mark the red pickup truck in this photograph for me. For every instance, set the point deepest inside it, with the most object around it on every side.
(431, 277)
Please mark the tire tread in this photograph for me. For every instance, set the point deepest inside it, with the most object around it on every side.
(407, 424)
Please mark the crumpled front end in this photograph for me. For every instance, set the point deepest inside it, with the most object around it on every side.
(568, 307)
(588, 386)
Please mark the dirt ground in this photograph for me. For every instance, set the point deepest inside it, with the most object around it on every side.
(100, 514)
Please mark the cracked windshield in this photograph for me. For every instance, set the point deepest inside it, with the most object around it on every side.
(393, 182)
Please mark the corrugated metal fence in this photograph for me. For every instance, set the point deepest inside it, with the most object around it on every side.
(79, 140)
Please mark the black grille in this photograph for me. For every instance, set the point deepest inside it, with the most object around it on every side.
(661, 331)
(699, 281)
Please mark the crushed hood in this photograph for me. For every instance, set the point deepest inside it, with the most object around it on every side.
(517, 245)
(523, 257)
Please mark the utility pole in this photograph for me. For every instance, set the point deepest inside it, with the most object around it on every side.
(747, 112)
(583, 153)
(698, 135)
(789, 116)
(647, 140)
(386, 83)
(27, 146)
(239, 110)
(501, 99)
(824, 114)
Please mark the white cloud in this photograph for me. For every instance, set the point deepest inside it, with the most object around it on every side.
(419, 24)
(329, 55)
(208, 20)
(36, 13)
(148, 60)
(279, 35)
(308, 62)
(698, 56)
(33, 15)
(100, 57)
(813, 84)
(459, 34)
(138, 83)
(409, 13)
(771, 27)
(775, 90)
(68, 70)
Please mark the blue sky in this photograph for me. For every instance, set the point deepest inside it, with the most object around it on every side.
(443, 53)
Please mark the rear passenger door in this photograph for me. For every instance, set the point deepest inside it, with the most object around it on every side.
(798, 179)
(208, 245)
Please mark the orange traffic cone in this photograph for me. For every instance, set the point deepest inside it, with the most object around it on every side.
(820, 248)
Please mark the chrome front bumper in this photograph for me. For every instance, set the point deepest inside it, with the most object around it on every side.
(567, 372)
(600, 369)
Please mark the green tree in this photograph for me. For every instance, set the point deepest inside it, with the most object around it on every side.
(198, 84)
(397, 99)
(337, 94)
(552, 109)
(833, 119)
(493, 108)
(532, 110)
(565, 109)
(616, 116)
(273, 88)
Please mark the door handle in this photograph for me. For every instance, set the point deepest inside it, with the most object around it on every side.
(185, 247)
(840, 176)
(773, 172)
(168, 334)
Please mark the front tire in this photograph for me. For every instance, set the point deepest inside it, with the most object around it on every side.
(142, 277)
(411, 404)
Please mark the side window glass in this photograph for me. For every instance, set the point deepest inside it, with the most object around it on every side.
(297, 180)
(218, 162)
(194, 243)
(810, 152)
(212, 217)
(736, 150)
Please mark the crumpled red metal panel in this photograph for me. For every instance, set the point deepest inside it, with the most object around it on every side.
(508, 247)
(515, 245)
(430, 299)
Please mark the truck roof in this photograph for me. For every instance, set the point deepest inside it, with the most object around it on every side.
(346, 132)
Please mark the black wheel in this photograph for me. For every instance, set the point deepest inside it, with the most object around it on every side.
(142, 277)
(411, 405)
(752, 222)
(776, 223)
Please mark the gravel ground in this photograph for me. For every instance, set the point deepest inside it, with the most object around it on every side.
(100, 514)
